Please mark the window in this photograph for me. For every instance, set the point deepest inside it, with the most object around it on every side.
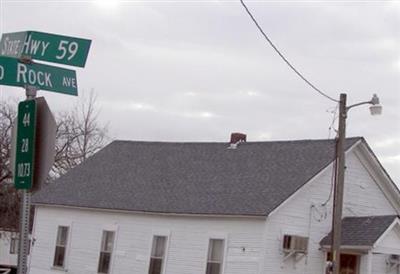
(157, 254)
(107, 243)
(61, 246)
(14, 245)
(215, 256)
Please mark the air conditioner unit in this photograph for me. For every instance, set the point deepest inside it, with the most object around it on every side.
(392, 262)
(295, 244)
(393, 258)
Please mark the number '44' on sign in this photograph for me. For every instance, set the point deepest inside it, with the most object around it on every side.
(25, 145)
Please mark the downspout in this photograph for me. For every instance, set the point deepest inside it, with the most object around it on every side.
(263, 249)
(369, 262)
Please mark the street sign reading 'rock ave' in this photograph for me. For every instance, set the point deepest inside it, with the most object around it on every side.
(15, 73)
(46, 47)
(25, 145)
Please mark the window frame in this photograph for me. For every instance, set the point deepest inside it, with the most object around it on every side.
(165, 234)
(14, 249)
(66, 247)
(14, 245)
(101, 250)
(224, 250)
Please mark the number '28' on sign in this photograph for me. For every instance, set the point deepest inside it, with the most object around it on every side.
(25, 144)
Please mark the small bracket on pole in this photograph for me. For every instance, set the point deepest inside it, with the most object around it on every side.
(31, 92)
(26, 60)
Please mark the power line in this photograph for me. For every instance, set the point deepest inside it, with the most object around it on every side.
(335, 116)
(283, 57)
(333, 176)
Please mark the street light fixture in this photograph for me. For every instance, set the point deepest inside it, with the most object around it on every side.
(375, 109)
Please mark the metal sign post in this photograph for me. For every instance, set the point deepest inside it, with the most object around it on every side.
(25, 206)
(34, 135)
(33, 154)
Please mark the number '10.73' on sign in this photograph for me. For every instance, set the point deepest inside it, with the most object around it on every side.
(25, 145)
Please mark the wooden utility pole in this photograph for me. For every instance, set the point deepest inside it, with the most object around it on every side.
(339, 187)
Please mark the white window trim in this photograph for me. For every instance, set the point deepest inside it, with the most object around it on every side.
(114, 251)
(162, 233)
(216, 236)
(112, 228)
(67, 247)
(33, 236)
(14, 239)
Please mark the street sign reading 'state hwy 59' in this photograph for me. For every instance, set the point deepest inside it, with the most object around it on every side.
(46, 47)
(15, 73)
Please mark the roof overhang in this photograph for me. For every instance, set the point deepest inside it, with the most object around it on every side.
(378, 173)
(199, 215)
(387, 242)
(313, 179)
(349, 249)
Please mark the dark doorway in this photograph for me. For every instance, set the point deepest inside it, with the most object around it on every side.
(349, 263)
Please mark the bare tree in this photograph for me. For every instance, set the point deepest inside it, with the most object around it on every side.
(79, 135)
(8, 196)
(7, 116)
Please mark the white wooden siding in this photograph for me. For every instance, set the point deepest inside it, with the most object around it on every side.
(7, 259)
(187, 248)
(390, 243)
(253, 246)
(379, 265)
(303, 215)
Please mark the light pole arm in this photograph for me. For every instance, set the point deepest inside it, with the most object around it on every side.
(374, 101)
(359, 104)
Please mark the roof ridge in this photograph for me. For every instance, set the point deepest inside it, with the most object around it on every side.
(248, 142)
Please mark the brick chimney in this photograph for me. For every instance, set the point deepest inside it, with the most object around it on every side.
(237, 138)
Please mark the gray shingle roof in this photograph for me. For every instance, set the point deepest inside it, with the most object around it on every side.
(361, 231)
(191, 178)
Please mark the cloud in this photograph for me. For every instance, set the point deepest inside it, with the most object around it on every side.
(199, 70)
(203, 114)
(385, 143)
(123, 106)
(391, 159)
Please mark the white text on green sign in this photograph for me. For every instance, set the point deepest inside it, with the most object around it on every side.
(25, 145)
(46, 46)
(15, 73)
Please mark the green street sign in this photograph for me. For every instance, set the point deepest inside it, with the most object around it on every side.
(25, 145)
(15, 73)
(46, 47)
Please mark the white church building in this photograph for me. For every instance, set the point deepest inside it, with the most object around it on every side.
(216, 208)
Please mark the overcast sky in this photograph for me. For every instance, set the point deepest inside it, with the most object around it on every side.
(199, 70)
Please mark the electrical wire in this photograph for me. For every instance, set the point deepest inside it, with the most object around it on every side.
(334, 118)
(283, 57)
(333, 176)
